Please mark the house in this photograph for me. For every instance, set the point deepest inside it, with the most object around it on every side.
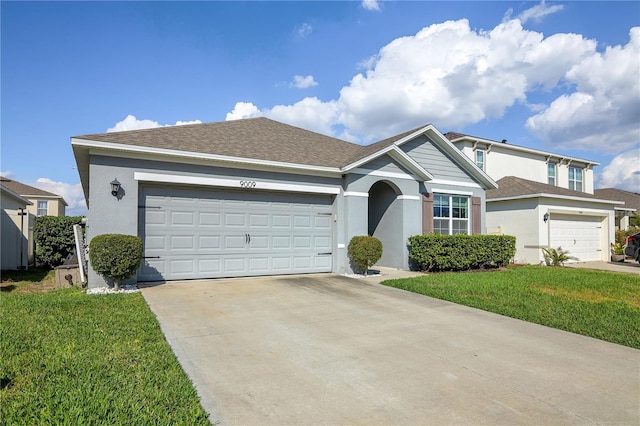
(630, 207)
(43, 203)
(16, 223)
(543, 199)
(259, 197)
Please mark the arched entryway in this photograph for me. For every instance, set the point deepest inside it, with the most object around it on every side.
(386, 222)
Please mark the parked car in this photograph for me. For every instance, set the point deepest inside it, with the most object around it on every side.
(632, 248)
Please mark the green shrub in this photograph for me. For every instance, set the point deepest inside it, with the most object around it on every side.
(621, 236)
(436, 252)
(364, 251)
(115, 256)
(555, 257)
(54, 238)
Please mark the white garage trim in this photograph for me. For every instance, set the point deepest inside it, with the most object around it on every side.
(234, 183)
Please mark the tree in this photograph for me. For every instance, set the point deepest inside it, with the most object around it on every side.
(115, 256)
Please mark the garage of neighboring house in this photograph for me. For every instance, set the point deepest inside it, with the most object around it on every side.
(542, 216)
(258, 197)
(581, 235)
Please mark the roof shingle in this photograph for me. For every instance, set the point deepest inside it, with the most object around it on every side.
(25, 190)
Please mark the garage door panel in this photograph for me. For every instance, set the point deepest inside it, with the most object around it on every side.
(234, 264)
(209, 242)
(191, 233)
(209, 266)
(182, 242)
(235, 220)
(281, 221)
(209, 219)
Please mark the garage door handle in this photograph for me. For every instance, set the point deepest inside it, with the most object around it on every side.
(247, 238)
(151, 257)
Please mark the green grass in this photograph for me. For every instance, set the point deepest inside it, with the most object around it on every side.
(72, 358)
(600, 304)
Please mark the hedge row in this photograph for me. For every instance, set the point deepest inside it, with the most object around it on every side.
(437, 252)
(54, 238)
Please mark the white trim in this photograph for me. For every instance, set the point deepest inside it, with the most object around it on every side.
(380, 173)
(234, 183)
(453, 182)
(549, 155)
(409, 197)
(197, 155)
(397, 154)
(356, 194)
(450, 191)
(560, 197)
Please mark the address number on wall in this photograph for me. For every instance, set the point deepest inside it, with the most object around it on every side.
(247, 184)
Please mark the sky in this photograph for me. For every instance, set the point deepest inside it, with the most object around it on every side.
(562, 77)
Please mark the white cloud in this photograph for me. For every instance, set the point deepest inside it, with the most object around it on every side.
(130, 122)
(370, 4)
(537, 12)
(7, 173)
(623, 172)
(72, 194)
(452, 76)
(603, 113)
(243, 110)
(301, 82)
(304, 30)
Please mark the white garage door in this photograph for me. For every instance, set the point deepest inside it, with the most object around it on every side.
(580, 235)
(196, 233)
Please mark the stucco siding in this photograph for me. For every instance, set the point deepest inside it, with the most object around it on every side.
(109, 214)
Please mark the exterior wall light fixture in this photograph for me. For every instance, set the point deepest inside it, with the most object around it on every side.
(545, 217)
(115, 187)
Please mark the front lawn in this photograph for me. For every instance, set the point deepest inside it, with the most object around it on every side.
(600, 304)
(72, 358)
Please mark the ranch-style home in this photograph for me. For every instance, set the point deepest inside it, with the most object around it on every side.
(543, 199)
(259, 197)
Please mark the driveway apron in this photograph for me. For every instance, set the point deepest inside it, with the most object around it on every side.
(327, 349)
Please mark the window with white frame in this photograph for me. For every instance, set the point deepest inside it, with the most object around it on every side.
(480, 157)
(450, 214)
(575, 178)
(551, 173)
(42, 208)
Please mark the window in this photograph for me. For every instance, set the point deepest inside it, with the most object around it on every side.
(575, 178)
(42, 208)
(551, 173)
(450, 214)
(480, 159)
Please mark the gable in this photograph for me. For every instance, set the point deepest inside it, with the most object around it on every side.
(384, 166)
(436, 161)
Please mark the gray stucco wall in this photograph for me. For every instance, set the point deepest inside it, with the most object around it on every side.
(109, 214)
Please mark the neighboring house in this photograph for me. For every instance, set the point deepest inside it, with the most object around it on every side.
(630, 207)
(16, 223)
(543, 199)
(43, 203)
(39, 203)
(259, 197)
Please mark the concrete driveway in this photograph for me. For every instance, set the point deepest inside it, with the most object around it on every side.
(327, 349)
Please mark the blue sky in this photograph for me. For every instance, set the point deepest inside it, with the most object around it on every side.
(557, 76)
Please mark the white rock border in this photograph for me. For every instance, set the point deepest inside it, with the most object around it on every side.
(110, 290)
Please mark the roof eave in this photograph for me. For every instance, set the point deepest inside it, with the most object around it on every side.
(554, 196)
(16, 196)
(588, 163)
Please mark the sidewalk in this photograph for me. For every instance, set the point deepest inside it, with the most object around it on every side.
(628, 266)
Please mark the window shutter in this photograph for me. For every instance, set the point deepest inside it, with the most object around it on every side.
(476, 216)
(427, 214)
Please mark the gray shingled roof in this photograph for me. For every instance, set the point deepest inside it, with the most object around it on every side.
(25, 190)
(511, 186)
(631, 199)
(255, 138)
